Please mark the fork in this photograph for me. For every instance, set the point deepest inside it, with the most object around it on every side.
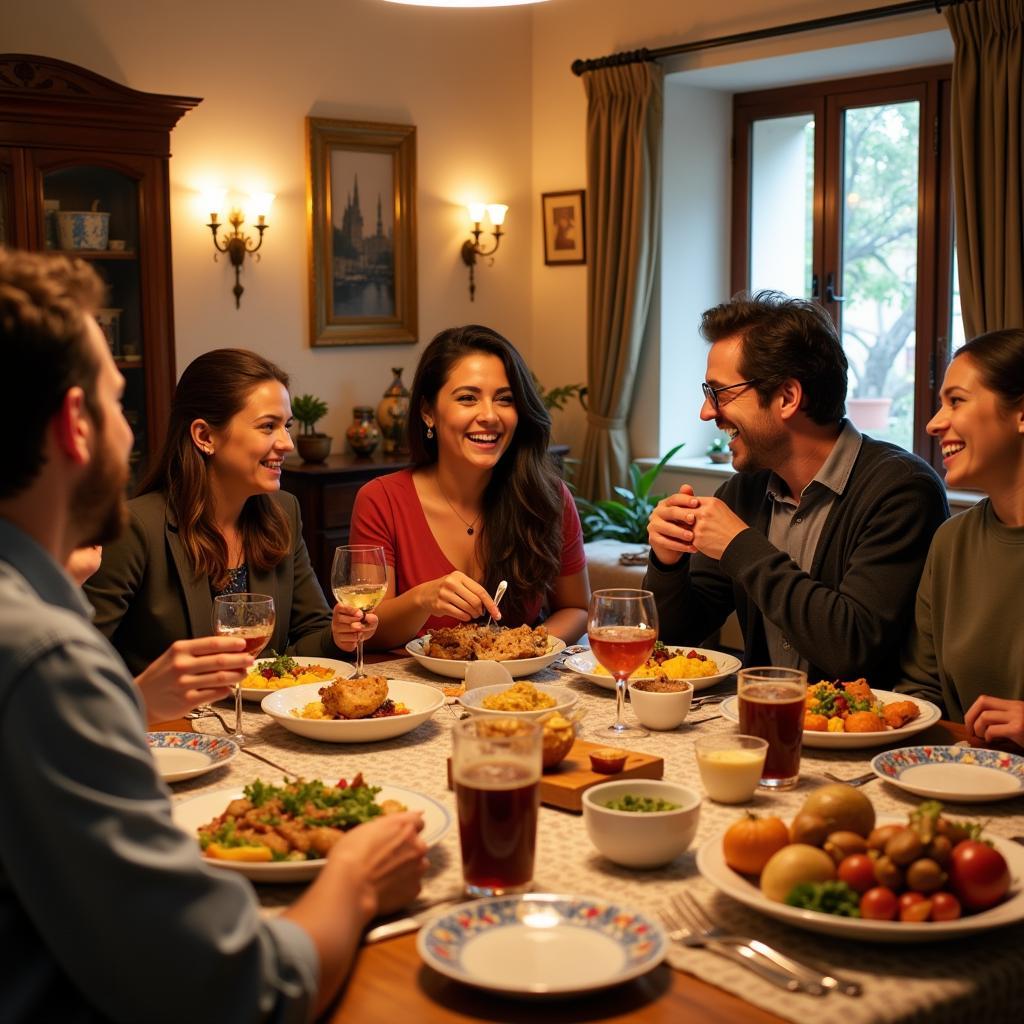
(812, 976)
(857, 780)
(742, 954)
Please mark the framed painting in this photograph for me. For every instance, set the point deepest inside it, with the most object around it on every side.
(361, 202)
(564, 227)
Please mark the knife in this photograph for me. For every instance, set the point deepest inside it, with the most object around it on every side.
(411, 922)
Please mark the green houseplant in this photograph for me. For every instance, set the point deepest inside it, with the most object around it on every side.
(624, 519)
(313, 446)
(557, 398)
(718, 450)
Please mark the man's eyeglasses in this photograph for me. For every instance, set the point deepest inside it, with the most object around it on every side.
(711, 394)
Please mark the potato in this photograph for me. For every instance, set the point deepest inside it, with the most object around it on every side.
(792, 865)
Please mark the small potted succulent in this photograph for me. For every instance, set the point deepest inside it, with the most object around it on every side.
(718, 450)
(313, 446)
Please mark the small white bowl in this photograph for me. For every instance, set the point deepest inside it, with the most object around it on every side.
(661, 710)
(638, 839)
(473, 700)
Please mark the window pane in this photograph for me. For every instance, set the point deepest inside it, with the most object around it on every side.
(956, 326)
(879, 266)
(781, 204)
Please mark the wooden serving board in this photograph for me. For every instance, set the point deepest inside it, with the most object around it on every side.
(563, 785)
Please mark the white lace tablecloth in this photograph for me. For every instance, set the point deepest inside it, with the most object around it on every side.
(976, 978)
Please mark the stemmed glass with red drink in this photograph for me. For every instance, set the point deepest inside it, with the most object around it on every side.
(622, 626)
(251, 617)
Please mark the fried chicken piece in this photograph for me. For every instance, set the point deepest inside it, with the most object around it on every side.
(392, 807)
(864, 721)
(859, 689)
(899, 713)
(323, 838)
(815, 723)
(507, 644)
(276, 843)
(354, 698)
(238, 808)
(455, 643)
(295, 835)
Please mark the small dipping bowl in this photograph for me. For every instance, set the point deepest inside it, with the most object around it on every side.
(662, 708)
(730, 765)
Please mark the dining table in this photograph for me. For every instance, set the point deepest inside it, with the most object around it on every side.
(977, 977)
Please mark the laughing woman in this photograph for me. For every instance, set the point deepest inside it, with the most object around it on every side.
(967, 649)
(481, 504)
(211, 519)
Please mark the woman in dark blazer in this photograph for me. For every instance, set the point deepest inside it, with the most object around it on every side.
(210, 518)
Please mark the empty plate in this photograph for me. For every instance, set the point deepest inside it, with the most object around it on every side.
(953, 773)
(184, 755)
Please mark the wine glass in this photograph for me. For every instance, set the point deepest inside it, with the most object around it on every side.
(251, 617)
(359, 579)
(622, 626)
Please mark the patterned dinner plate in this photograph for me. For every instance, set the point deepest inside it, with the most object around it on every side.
(184, 755)
(540, 944)
(953, 773)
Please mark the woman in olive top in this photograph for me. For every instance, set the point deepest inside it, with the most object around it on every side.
(967, 649)
(211, 519)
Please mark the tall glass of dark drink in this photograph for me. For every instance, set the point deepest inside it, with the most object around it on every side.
(771, 704)
(496, 765)
(622, 626)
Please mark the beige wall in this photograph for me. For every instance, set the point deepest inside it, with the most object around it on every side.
(498, 115)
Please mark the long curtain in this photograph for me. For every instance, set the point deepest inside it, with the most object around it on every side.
(988, 161)
(624, 115)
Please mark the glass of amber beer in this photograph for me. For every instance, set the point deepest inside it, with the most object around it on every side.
(771, 705)
(496, 765)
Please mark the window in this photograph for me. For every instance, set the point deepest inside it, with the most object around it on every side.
(841, 193)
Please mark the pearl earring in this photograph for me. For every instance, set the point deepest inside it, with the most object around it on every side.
(430, 433)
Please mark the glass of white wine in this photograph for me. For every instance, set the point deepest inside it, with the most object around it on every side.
(251, 617)
(359, 579)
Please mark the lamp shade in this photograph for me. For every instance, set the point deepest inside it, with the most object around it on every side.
(476, 212)
(497, 211)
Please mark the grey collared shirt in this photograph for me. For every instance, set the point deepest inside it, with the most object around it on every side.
(795, 526)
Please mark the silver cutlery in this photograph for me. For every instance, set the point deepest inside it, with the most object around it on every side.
(205, 711)
(714, 698)
(857, 780)
(811, 975)
(498, 595)
(411, 922)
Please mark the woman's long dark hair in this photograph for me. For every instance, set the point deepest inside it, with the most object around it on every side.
(522, 536)
(999, 356)
(215, 387)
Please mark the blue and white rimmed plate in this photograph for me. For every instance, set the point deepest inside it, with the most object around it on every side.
(184, 755)
(541, 944)
(953, 773)
(190, 815)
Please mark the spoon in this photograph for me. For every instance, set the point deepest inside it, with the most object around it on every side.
(498, 595)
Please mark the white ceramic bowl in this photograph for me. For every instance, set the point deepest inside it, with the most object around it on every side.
(661, 710)
(473, 701)
(637, 839)
(421, 700)
(517, 667)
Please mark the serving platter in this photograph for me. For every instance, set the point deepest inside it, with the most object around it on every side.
(517, 667)
(711, 864)
(585, 664)
(929, 715)
(342, 670)
(185, 755)
(422, 701)
(541, 945)
(953, 774)
(190, 815)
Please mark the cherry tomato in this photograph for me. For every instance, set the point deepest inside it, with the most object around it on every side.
(879, 904)
(908, 899)
(858, 872)
(914, 907)
(945, 906)
(978, 874)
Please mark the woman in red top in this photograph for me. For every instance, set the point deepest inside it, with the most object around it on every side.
(482, 503)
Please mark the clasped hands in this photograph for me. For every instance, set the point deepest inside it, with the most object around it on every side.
(683, 524)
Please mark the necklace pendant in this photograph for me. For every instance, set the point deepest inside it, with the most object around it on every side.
(469, 530)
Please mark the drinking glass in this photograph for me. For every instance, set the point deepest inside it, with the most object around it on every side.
(730, 765)
(251, 617)
(496, 766)
(359, 579)
(771, 705)
(622, 625)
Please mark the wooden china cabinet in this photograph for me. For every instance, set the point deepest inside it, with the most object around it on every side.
(72, 141)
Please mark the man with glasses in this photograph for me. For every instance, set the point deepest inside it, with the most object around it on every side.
(818, 540)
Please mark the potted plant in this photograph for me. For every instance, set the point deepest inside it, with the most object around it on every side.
(313, 446)
(556, 398)
(718, 450)
(625, 519)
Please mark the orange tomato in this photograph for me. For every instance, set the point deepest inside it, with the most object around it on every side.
(749, 843)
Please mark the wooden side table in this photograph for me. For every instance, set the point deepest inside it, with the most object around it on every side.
(326, 492)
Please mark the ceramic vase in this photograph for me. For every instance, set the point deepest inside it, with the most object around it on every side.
(393, 414)
(363, 435)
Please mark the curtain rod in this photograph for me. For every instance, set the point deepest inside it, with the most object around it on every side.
(852, 18)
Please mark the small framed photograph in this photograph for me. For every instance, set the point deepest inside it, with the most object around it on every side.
(362, 232)
(564, 226)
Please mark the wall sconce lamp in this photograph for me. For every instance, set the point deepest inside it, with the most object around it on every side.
(471, 248)
(235, 243)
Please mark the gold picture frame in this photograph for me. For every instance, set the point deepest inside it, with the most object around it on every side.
(564, 217)
(362, 236)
